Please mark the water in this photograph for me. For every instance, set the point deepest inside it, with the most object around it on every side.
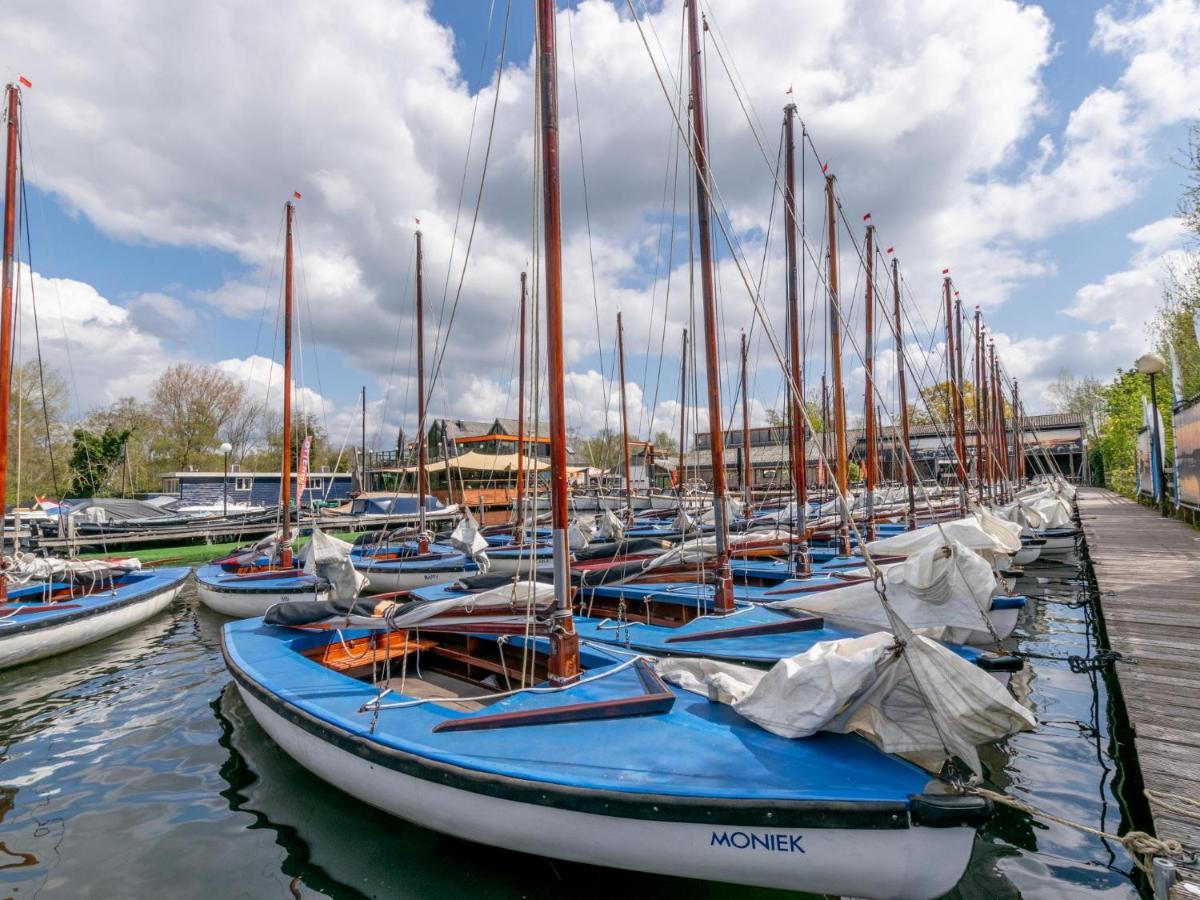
(131, 768)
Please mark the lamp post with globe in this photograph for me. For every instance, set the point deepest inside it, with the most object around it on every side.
(1152, 364)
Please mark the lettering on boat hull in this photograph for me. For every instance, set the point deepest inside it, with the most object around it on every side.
(749, 840)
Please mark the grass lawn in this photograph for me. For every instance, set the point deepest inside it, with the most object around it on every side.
(197, 554)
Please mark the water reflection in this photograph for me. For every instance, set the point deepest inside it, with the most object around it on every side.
(132, 767)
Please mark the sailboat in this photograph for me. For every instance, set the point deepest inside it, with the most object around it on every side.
(246, 583)
(49, 606)
(403, 565)
(495, 725)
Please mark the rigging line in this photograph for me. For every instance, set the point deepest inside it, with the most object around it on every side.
(37, 329)
(462, 186)
(396, 345)
(316, 356)
(487, 155)
(670, 178)
(587, 213)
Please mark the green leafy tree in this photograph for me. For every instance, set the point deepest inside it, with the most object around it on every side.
(778, 418)
(1123, 418)
(664, 443)
(93, 458)
(38, 435)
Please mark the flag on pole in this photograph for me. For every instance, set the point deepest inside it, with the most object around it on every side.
(891, 250)
(1176, 375)
(945, 271)
(302, 468)
(296, 194)
(25, 81)
(415, 219)
(867, 217)
(825, 167)
(789, 90)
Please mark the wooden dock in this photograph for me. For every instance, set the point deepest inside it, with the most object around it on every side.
(1148, 571)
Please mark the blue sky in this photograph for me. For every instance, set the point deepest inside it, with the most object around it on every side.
(161, 199)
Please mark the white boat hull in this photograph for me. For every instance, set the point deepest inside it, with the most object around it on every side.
(522, 564)
(387, 582)
(26, 647)
(1027, 554)
(914, 862)
(1059, 547)
(247, 605)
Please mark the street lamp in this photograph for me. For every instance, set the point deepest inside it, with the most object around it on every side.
(226, 448)
(1152, 364)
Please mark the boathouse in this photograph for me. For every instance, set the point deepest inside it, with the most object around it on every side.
(253, 488)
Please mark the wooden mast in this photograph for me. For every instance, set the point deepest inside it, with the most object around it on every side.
(285, 480)
(6, 306)
(564, 642)
(871, 473)
(960, 413)
(839, 394)
(1018, 437)
(952, 397)
(1000, 423)
(520, 512)
(985, 424)
(624, 423)
(909, 474)
(422, 434)
(723, 591)
(824, 467)
(680, 477)
(799, 454)
(747, 466)
(978, 409)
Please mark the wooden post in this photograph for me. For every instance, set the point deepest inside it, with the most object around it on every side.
(723, 592)
(1018, 436)
(624, 424)
(285, 473)
(564, 643)
(839, 394)
(422, 432)
(520, 510)
(799, 426)
(681, 477)
(955, 401)
(906, 445)
(747, 465)
(870, 472)
(978, 372)
(6, 306)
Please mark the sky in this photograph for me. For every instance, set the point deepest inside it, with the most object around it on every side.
(1033, 149)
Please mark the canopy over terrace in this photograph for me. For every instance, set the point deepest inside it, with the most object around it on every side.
(475, 462)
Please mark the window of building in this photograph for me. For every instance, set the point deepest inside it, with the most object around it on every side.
(242, 484)
(170, 485)
(768, 474)
(316, 484)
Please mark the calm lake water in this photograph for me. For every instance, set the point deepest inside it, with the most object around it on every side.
(131, 769)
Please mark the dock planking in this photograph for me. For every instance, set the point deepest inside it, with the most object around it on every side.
(1148, 571)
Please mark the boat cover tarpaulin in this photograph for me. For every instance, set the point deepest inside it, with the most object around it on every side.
(945, 586)
(24, 568)
(912, 697)
(701, 549)
(466, 537)
(982, 532)
(329, 558)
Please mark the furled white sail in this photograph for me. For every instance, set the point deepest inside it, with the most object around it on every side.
(907, 694)
(944, 586)
(328, 557)
(982, 532)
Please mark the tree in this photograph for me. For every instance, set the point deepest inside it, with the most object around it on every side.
(602, 451)
(664, 443)
(320, 454)
(934, 407)
(37, 433)
(778, 419)
(93, 460)
(193, 405)
(1082, 397)
(139, 424)
(1124, 400)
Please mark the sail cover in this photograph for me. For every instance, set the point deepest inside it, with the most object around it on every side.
(941, 586)
(982, 532)
(329, 558)
(466, 537)
(906, 694)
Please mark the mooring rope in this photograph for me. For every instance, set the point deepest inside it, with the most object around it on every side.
(1141, 846)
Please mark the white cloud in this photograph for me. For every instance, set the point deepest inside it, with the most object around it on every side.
(920, 106)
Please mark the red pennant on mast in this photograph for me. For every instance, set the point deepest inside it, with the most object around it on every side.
(789, 90)
(296, 194)
(825, 167)
(891, 250)
(415, 219)
(867, 217)
(25, 81)
(945, 271)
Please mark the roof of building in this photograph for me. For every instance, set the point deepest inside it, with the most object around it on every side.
(242, 473)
